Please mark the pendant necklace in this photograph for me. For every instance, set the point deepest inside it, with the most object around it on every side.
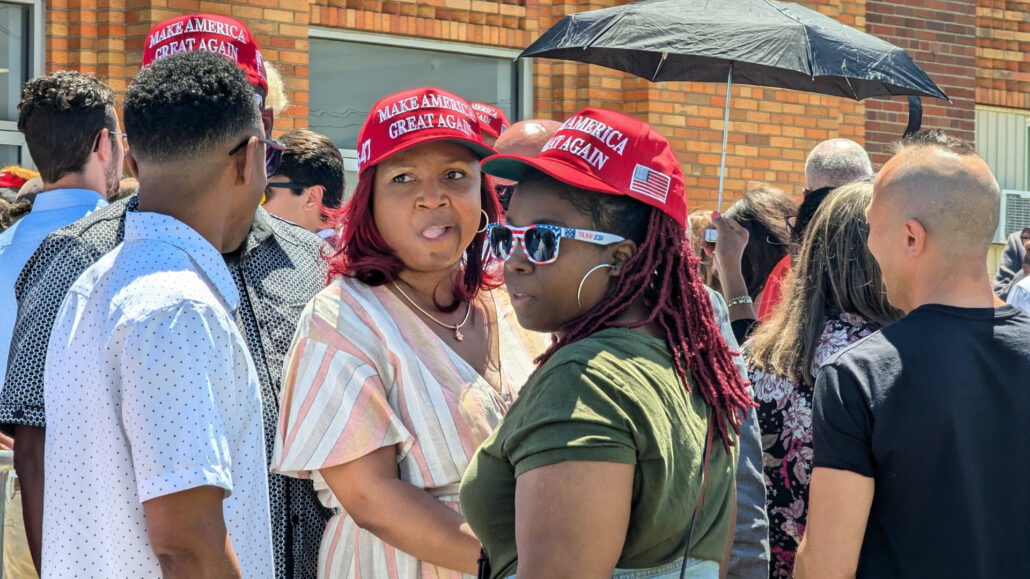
(457, 328)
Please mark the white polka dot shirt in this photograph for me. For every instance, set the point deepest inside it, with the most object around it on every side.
(149, 391)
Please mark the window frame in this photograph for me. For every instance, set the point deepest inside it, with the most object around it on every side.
(524, 103)
(9, 134)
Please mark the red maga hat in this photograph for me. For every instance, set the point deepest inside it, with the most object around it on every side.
(491, 119)
(405, 119)
(210, 32)
(607, 152)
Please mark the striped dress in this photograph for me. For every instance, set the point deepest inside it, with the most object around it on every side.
(365, 372)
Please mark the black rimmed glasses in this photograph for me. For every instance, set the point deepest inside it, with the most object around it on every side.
(273, 153)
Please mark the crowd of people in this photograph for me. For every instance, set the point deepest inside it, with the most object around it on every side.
(218, 366)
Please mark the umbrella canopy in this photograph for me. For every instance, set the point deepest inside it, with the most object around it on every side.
(767, 43)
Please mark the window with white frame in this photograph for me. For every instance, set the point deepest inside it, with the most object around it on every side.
(1003, 140)
(21, 58)
(349, 71)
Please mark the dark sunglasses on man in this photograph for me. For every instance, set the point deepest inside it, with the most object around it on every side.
(273, 153)
(296, 188)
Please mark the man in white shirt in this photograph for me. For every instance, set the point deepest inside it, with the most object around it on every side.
(145, 360)
(308, 183)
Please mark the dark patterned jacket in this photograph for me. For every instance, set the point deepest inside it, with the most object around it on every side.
(278, 270)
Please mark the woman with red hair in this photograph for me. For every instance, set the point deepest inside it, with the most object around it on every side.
(618, 459)
(407, 361)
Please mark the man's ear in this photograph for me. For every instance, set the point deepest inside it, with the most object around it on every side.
(105, 146)
(621, 252)
(915, 237)
(245, 161)
(130, 161)
(313, 198)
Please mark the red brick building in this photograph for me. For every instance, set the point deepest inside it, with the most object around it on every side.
(338, 56)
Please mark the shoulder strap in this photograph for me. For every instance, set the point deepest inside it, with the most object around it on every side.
(700, 495)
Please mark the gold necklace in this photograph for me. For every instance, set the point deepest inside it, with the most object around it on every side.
(457, 329)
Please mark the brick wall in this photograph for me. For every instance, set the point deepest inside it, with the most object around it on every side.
(771, 131)
(1003, 53)
(940, 35)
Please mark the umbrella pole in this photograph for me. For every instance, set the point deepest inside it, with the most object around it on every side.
(725, 132)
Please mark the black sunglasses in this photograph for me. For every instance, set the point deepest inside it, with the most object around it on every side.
(297, 188)
(273, 153)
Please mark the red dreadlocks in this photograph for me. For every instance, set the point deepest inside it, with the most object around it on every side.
(662, 273)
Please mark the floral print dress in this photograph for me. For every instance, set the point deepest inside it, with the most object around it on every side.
(785, 419)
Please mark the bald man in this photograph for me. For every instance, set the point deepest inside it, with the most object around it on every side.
(920, 429)
(522, 138)
(830, 164)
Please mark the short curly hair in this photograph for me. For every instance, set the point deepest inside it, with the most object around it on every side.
(313, 159)
(186, 106)
(60, 115)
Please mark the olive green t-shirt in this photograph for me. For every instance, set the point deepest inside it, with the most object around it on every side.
(612, 397)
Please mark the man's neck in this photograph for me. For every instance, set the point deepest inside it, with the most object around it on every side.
(956, 286)
(75, 181)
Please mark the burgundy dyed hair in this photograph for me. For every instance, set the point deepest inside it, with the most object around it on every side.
(364, 255)
(663, 275)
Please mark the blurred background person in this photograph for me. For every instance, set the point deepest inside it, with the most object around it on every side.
(834, 296)
(697, 222)
(763, 212)
(525, 138)
(1019, 295)
(309, 183)
(830, 164)
(1010, 268)
(492, 122)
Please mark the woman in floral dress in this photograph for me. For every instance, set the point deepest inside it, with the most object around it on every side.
(833, 297)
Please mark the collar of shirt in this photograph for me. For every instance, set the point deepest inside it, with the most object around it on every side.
(147, 226)
(63, 198)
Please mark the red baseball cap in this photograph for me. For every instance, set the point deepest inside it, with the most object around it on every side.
(607, 152)
(417, 116)
(220, 34)
(491, 119)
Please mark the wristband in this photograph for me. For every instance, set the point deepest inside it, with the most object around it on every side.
(740, 300)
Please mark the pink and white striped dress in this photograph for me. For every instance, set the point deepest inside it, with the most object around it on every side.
(365, 372)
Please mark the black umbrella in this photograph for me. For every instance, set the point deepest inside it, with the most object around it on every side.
(758, 42)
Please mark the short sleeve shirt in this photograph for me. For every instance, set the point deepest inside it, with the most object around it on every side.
(612, 397)
(147, 365)
(276, 272)
(933, 408)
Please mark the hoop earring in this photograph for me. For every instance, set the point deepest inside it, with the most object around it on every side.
(487, 217)
(583, 281)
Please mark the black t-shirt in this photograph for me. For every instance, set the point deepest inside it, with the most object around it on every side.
(936, 408)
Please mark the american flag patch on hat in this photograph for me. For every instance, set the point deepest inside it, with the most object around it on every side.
(650, 182)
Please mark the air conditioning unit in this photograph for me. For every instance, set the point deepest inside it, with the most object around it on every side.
(1015, 213)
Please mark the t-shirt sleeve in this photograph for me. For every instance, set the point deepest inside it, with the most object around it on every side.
(178, 391)
(842, 422)
(572, 413)
(335, 406)
(40, 291)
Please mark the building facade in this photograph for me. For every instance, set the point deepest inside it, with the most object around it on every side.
(338, 57)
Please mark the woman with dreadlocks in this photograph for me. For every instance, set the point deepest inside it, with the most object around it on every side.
(598, 468)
